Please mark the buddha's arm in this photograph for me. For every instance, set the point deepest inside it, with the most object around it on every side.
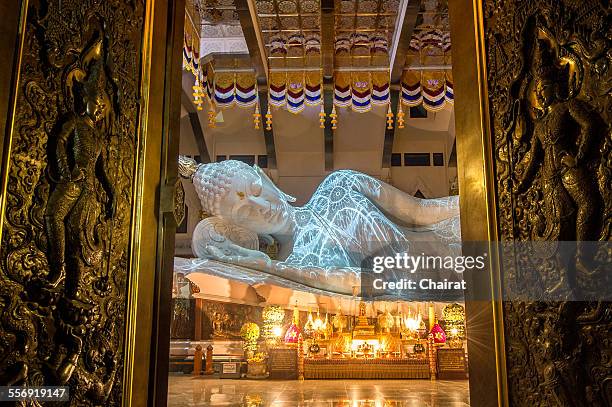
(403, 206)
(238, 255)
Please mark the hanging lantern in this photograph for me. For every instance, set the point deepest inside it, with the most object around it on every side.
(269, 119)
(334, 120)
(322, 117)
(389, 118)
(400, 116)
(256, 117)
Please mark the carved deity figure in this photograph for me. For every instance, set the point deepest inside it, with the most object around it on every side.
(218, 325)
(79, 157)
(323, 243)
(562, 137)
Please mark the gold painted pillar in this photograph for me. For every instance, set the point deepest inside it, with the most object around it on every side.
(197, 332)
(484, 326)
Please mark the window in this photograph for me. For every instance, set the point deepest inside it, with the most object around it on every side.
(221, 158)
(262, 161)
(396, 160)
(182, 228)
(417, 160)
(438, 159)
(247, 159)
(418, 112)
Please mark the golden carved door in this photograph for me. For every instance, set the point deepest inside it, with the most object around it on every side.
(86, 193)
(534, 143)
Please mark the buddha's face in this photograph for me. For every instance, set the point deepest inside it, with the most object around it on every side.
(255, 203)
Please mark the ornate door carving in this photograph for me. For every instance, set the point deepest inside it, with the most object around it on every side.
(64, 259)
(548, 75)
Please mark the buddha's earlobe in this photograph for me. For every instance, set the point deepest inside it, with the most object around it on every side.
(264, 176)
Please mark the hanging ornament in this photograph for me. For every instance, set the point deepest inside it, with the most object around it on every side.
(322, 117)
(256, 116)
(389, 118)
(400, 116)
(198, 95)
(269, 120)
(212, 117)
(334, 120)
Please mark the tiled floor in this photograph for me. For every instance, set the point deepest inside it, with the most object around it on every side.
(190, 391)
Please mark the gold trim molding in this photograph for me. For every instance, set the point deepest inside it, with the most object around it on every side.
(476, 177)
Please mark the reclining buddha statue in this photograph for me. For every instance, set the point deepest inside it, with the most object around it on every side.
(322, 244)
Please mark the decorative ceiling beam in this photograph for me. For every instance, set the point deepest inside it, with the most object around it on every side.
(252, 34)
(406, 21)
(196, 127)
(327, 39)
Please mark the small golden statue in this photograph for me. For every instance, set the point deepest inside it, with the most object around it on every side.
(218, 325)
(339, 321)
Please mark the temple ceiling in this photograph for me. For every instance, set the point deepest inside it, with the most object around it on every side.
(327, 61)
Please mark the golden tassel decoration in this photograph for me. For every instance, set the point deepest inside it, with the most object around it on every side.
(322, 117)
(389, 118)
(198, 95)
(269, 120)
(212, 118)
(334, 120)
(256, 116)
(400, 116)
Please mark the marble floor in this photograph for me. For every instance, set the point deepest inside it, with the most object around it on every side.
(185, 390)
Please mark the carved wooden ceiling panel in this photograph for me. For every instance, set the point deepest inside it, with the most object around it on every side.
(361, 16)
(216, 11)
(291, 31)
(431, 34)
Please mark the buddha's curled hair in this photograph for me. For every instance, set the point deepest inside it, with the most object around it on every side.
(213, 181)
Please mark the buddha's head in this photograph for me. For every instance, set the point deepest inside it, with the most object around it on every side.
(241, 194)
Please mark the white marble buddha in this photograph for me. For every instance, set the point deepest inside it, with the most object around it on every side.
(322, 243)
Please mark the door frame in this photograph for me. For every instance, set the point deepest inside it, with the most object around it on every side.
(478, 206)
(153, 225)
(475, 160)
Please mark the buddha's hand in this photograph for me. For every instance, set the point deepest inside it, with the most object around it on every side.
(229, 252)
